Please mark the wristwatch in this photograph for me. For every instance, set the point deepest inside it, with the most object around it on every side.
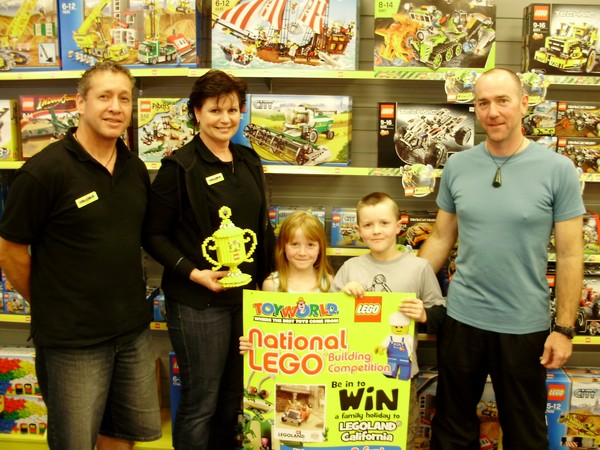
(567, 331)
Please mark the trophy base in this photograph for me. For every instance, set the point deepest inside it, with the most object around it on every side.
(235, 280)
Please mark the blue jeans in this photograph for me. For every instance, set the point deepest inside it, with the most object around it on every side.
(206, 343)
(106, 389)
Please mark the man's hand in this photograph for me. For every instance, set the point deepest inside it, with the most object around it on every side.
(557, 350)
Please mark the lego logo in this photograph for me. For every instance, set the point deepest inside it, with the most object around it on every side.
(541, 12)
(27, 104)
(367, 309)
(561, 142)
(145, 107)
(562, 106)
(386, 111)
(556, 392)
(336, 218)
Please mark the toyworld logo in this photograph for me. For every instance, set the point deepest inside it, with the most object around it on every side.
(541, 12)
(386, 111)
(300, 310)
(367, 309)
(556, 392)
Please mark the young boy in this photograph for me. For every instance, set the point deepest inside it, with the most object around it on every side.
(387, 269)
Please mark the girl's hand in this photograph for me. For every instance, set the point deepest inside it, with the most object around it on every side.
(208, 278)
(245, 345)
(354, 289)
(413, 308)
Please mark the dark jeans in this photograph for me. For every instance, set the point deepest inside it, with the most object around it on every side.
(206, 343)
(107, 389)
(466, 355)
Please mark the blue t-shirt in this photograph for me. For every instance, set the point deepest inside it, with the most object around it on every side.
(500, 281)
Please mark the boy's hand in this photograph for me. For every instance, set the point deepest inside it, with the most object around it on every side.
(413, 308)
(245, 345)
(354, 289)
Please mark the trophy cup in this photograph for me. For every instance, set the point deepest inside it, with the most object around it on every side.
(230, 245)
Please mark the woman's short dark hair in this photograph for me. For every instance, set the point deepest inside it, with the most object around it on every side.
(215, 83)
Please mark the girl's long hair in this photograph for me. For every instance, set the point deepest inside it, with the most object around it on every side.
(313, 230)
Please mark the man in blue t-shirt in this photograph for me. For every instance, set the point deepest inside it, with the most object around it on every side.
(501, 200)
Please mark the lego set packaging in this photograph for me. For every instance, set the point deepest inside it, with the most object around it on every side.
(424, 36)
(578, 119)
(419, 227)
(10, 135)
(561, 39)
(286, 34)
(163, 126)
(12, 301)
(135, 33)
(584, 152)
(29, 36)
(45, 119)
(540, 119)
(344, 231)
(277, 214)
(422, 134)
(300, 129)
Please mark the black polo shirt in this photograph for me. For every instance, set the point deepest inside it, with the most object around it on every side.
(84, 228)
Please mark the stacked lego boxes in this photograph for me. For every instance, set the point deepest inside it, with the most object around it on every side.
(29, 36)
(22, 409)
(561, 39)
(416, 37)
(12, 301)
(277, 214)
(163, 126)
(578, 132)
(175, 386)
(539, 123)
(303, 130)
(10, 136)
(134, 34)
(425, 134)
(285, 34)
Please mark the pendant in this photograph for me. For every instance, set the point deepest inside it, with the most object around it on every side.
(497, 178)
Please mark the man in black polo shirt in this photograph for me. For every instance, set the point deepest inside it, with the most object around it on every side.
(70, 243)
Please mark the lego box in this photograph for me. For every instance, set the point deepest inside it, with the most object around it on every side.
(163, 126)
(45, 119)
(286, 34)
(25, 414)
(277, 214)
(584, 152)
(344, 228)
(134, 33)
(540, 119)
(418, 228)
(300, 129)
(29, 35)
(582, 419)
(558, 386)
(17, 371)
(561, 39)
(422, 134)
(578, 119)
(10, 135)
(418, 36)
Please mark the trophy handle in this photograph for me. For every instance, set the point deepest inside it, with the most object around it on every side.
(252, 236)
(207, 256)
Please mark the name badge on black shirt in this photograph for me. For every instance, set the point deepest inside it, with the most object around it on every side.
(86, 199)
(214, 179)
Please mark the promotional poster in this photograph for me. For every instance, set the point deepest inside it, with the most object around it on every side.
(326, 371)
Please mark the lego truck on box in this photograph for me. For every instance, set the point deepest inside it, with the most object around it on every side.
(287, 34)
(584, 152)
(29, 35)
(422, 134)
(561, 38)
(134, 33)
(303, 130)
(421, 36)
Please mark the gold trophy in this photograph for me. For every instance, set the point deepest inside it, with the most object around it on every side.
(230, 245)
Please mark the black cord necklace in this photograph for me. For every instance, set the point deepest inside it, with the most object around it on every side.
(498, 176)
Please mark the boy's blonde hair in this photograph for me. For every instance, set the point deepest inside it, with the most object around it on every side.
(375, 198)
(314, 231)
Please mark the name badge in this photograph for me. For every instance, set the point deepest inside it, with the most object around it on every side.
(86, 199)
(214, 179)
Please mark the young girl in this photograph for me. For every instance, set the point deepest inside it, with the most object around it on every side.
(300, 259)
